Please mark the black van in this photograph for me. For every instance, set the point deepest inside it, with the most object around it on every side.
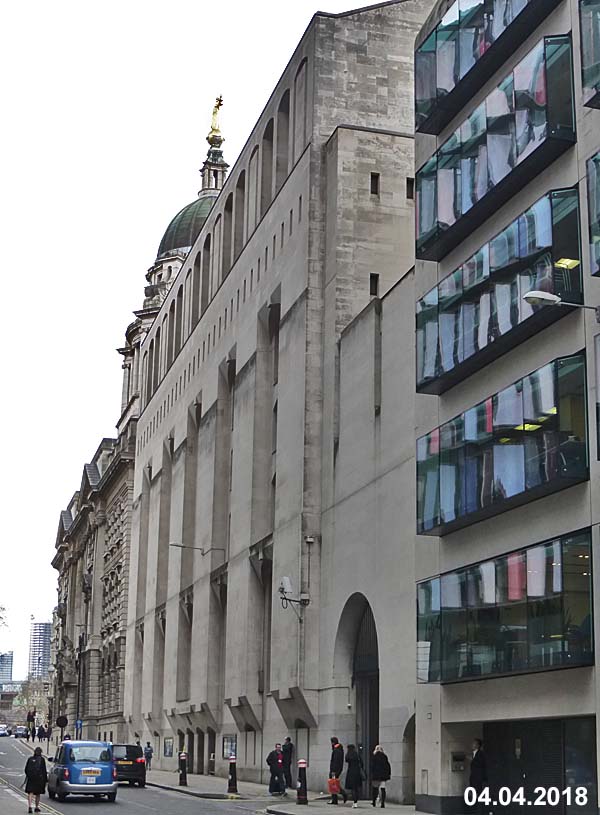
(130, 763)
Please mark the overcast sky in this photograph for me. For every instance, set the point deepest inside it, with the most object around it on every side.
(105, 110)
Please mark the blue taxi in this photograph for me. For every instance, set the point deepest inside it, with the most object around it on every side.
(83, 768)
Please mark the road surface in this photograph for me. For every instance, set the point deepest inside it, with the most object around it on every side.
(130, 800)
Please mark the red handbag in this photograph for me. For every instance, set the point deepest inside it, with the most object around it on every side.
(333, 785)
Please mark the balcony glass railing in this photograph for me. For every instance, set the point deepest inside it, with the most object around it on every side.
(530, 610)
(478, 313)
(525, 123)
(593, 185)
(524, 442)
(589, 11)
(470, 43)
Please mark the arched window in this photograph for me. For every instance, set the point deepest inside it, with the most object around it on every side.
(144, 390)
(216, 257)
(266, 175)
(196, 286)
(205, 275)
(283, 139)
(253, 191)
(165, 335)
(240, 200)
(187, 305)
(156, 374)
(150, 372)
(178, 320)
(171, 346)
(227, 227)
(300, 110)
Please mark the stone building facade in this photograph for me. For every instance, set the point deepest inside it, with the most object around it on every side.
(238, 506)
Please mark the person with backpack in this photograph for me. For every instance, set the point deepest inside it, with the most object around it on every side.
(355, 775)
(36, 778)
(380, 773)
(275, 762)
(148, 753)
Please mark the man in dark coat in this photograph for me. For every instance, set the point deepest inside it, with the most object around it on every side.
(336, 765)
(478, 771)
(36, 778)
(275, 762)
(288, 752)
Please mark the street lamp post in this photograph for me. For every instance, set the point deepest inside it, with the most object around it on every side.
(544, 298)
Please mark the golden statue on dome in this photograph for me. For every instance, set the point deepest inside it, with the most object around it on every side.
(214, 138)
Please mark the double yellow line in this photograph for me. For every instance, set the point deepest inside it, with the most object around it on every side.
(47, 807)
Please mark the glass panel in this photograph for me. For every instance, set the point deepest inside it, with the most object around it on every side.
(451, 345)
(426, 201)
(474, 32)
(482, 619)
(580, 763)
(560, 113)
(544, 593)
(500, 110)
(454, 625)
(452, 470)
(539, 277)
(509, 454)
(504, 12)
(447, 51)
(535, 228)
(504, 307)
(572, 417)
(478, 456)
(597, 356)
(540, 427)
(577, 587)
(427, 336)
(474, 162)
(448, 182)
(476, 302)
(425, 84)
(590, 46)
(428, 475)
(593, 185)
(428, 631)
(530, 102)
(566, 254)
(504, 248)
(511, 598)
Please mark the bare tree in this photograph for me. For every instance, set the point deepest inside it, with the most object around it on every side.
(2, 616)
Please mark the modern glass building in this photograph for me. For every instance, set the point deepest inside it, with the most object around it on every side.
(6, 666)
(39, 649)
(507, 201)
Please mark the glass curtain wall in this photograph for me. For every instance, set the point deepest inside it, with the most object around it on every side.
(589, 11)
(530, 106)
(593, 185)
(525, 441)
(463, 36)
(482, 301)
(529, 610)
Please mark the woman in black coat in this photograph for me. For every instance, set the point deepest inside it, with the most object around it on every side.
(36, 778)
(354, 776)
(380, 773)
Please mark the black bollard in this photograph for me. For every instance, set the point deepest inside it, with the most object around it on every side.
(183, 769)
(301, 792)
(232, 781)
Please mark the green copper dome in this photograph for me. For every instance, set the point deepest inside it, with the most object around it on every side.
(185, 226)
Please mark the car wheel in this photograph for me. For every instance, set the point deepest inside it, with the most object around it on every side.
(142, 783)
(62, 796)
(51, 794)
(112, 797)
(131, 782)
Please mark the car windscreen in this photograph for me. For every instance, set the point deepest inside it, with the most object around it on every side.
(128, 751)
(89, 752)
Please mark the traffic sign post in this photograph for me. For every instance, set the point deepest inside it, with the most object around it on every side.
(183, 769)
(232, 780)
(62, 722)
(301, 791)
(78, 728)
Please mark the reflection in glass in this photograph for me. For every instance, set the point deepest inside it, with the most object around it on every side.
(452, 470)
(474, 160)
(448, 182)
(425, 79)
(428, 481)
(501, 140)
(427, 336)
(530, 101)
(526, 610)
(447, 51)
(451, 336)
(478, 456)
(593, 185)
(590, 46)
(426, 201)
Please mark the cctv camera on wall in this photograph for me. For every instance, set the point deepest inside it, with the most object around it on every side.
(285, 586)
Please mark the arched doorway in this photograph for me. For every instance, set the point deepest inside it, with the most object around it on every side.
(356, 667)
(365, 678)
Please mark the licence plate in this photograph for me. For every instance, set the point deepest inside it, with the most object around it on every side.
(91, 780)
(125, 762)
(91, 771)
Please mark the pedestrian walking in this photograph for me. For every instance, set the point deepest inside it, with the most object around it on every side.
(288, 754)
(275, 762)
(355, 774)
(28, 736)
(48, 733)
(33, 732)
(41, 733)
(380, 773)
(36, 778)
(148, 753)
(478, 771)
(336, 766)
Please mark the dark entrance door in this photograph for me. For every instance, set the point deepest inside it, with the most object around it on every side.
(539, 753)
(366, 682)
